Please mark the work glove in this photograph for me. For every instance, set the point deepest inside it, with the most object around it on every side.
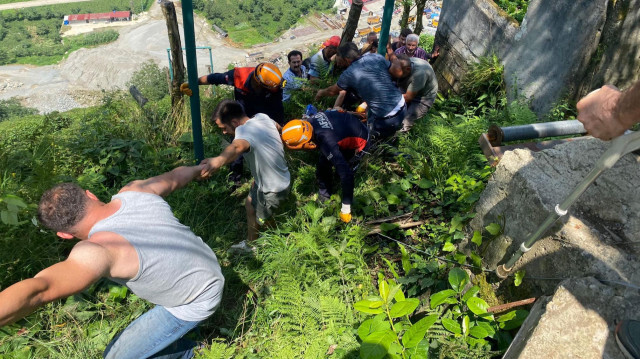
(184, 88)
(345, 213)
(303, 146)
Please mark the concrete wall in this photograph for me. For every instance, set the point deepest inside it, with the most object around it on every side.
(562, 49)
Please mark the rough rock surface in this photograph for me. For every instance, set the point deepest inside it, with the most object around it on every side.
(578, 321)
(466, 32)
(598, 237)
(562, 49)
(552, 49)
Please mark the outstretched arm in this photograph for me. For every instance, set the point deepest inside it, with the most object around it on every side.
(607, 112)
(166, 183)
(87, 263)
(332, 90)
(228, 155)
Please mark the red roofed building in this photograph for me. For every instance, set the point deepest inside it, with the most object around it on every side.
(94, 18)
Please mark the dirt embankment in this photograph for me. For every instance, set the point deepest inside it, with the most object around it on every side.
(78, 80)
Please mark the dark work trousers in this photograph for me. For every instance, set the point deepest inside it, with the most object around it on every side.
(386, 127)
(324, 172)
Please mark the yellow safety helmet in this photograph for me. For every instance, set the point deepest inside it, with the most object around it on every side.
(268, 75)
(296, 133)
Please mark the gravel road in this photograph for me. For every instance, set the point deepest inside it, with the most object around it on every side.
(20, 5)
(78, 80)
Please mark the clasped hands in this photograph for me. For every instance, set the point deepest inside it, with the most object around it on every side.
(210, 166)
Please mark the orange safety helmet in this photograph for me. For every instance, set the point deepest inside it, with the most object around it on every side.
(296, 133)
(268, 75)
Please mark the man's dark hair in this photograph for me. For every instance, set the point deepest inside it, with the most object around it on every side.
(348, 50)
(294, 53)
(405, 32)
(228, 110)
(62, 207)
(372, 34)
(404, 60)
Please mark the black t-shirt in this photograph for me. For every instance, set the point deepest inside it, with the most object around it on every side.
(269, 103)
(337, 133)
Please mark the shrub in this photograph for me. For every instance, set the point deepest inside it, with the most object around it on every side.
(13, 107)
(151, 80)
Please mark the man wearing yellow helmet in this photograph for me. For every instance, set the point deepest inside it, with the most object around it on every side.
(342, 139)
(258, 90)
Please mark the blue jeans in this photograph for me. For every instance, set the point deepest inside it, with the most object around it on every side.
(155, 334)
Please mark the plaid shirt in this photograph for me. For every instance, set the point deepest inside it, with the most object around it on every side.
(419, 53)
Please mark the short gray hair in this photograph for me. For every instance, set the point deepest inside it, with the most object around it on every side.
(412, 37)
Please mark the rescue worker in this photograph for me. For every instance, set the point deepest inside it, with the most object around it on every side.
(369, 76)
(342, 139)
(258, 90)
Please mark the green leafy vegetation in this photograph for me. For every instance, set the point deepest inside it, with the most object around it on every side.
(455, 324)
(254, 21)
(426, 42)
(12, 1)
(151, 80)
(13, 108)
(32, 35)
(515, 8)
(308, 291)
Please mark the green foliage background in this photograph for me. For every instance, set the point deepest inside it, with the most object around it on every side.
(32, 35)
(516, 8)
(254, 21)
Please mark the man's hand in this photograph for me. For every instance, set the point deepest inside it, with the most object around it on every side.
(598, 113)
(436, 52)
(345, 213)
(87, 263)
(210, 166)
(184, 88)
(319, 94)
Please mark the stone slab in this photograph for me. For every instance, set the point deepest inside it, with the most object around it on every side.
(578, 321)
(600, 235)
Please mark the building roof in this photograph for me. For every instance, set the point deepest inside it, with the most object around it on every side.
(100, 16)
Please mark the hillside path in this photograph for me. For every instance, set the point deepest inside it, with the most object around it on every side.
(20, 5)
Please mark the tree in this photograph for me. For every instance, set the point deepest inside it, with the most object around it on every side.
(406, 9)
(420, 4)
(352, 21)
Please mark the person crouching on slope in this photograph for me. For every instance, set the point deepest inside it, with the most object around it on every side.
(342, 139)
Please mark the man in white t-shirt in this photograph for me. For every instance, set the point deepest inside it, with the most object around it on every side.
(320, 64)
(258, 138)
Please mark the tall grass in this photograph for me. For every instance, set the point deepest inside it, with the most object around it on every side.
(295, 298)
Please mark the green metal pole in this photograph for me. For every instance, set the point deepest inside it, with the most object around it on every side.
(386, 24)
(192, 71)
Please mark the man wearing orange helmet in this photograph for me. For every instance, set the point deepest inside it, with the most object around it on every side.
(342, 139)
(258, 90)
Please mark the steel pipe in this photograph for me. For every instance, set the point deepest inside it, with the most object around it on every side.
(498, 135)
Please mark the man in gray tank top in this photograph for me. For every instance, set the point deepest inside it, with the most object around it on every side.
(134, 240)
